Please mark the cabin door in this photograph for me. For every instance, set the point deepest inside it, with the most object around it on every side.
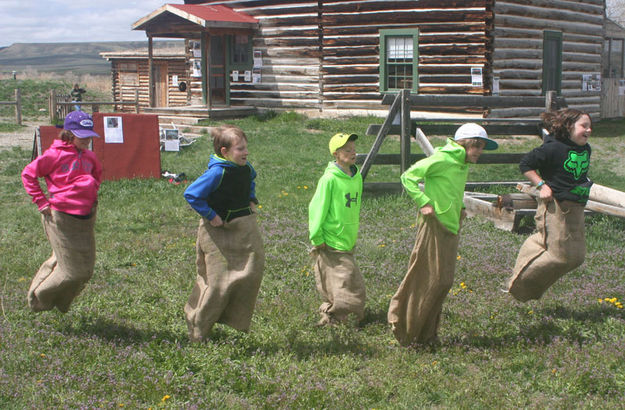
(160, 84)
(217, 72)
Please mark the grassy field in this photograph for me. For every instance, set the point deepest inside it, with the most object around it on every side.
(124, 341)
(35, 89)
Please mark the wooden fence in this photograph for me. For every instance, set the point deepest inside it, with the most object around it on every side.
(401, 105)
(18, 106)
(488, 205)
(59, 105)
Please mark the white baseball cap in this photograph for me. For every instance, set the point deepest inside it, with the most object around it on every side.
(473, 130)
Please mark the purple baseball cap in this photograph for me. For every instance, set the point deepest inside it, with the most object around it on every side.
(80, 124)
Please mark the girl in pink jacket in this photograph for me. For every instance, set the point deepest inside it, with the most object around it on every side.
(73, 174)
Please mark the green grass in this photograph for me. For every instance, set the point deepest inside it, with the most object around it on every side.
(35, 95)
(124, 341)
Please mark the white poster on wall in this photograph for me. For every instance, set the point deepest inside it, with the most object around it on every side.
(495, 85)
(258, 58)
(235, 75)
(476, 76)
(248, 75)
(113, 130)
(196, 68)
(256, 77)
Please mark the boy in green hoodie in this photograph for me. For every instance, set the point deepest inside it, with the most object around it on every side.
(415, 308)
(333, 219)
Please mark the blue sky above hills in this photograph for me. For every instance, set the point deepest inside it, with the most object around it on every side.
(53, 21)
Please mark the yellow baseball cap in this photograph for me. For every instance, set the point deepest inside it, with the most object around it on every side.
(340, 139)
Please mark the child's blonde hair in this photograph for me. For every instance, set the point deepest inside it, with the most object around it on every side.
(225, 136)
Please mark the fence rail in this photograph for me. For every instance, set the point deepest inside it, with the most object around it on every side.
(18, 106)
(60, 104)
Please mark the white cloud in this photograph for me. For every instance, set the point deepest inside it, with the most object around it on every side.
(52, 21)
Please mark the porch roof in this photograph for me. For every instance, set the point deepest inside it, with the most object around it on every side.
(175, 20)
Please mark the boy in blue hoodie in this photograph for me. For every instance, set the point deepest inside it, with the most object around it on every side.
(230, 256)
(333, 220)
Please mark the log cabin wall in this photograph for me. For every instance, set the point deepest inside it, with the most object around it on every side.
(517, 57)
(130, 75)
(324, 55)
(289, 41)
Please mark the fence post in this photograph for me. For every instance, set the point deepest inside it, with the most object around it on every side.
(52, 105)
(404, 147)
(550, 100)
(18, 106)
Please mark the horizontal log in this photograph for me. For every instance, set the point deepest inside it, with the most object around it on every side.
(471, 101)
(450, 129)
(554, 10)
(398, 6)
(396, 187)
(502, 218)
(590, 205)
(607, 195)
(394, 159)
(408, 17)
(505, 20)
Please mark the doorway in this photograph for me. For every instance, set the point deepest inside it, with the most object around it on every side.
(217, 82)
(160, 84)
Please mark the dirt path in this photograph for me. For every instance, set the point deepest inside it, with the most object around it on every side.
(21, 138)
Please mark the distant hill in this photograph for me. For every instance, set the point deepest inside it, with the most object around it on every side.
(81, 58)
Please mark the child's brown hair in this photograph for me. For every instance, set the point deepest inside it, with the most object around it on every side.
(560, 123)
(67, 136)
(470, 142)
(225, 136)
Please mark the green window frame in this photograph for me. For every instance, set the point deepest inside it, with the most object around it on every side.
(240, 46)
(399, 60)
(552, 61)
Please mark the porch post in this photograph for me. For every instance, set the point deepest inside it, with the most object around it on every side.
(206, 70)
(150, 72)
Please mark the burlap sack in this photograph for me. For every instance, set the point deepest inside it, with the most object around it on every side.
(340, 285)
(415, 309)
(230, 262)
(63, 276)
(558, 247)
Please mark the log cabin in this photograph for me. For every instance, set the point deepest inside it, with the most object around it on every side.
(342, 56)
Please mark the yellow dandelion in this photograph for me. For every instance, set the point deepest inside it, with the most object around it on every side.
(600, 300)
(530, 312)
(458, 257)
(42, 355)
(299, 187)
(165, 398)
(381, 245)
(463, 285)
(121, 404)
(305, 186)
(554, 371)
(22, 279)
(260, 206)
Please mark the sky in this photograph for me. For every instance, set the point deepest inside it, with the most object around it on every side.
(56, 21)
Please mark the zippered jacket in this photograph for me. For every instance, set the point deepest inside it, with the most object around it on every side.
(225, 189)
(444, 174)
(72, 177)
(334, 210)
(564, 167)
